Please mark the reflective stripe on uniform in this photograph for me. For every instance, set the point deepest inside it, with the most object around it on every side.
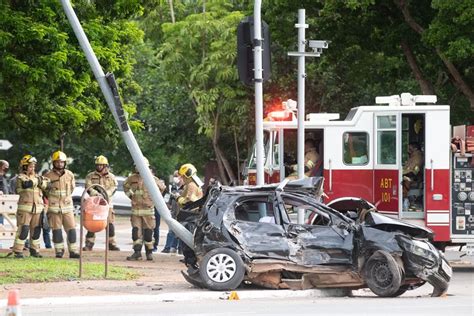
(57, 209)
(143, 212)
(59, 246)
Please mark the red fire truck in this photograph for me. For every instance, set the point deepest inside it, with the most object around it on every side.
(363, 156)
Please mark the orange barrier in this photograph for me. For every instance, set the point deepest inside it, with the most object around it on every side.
(96, 211)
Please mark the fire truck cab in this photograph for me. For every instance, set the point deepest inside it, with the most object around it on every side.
(395, 155)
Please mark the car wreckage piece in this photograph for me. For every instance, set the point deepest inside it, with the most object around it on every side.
(246, 234)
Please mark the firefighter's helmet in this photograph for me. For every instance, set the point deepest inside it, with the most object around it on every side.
(187, 170)
(58, 155)
(101, 160)
(27, 159)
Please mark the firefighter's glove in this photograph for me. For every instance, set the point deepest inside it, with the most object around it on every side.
(27, 184)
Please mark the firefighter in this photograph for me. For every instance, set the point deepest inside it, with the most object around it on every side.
(192, 185)
(191, 192)
(30, 187)
(411, 171)
(311, 158)
(143, 213)
(102, 176)
(60, 206)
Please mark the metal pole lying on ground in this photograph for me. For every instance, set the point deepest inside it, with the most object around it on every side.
(258, 90)
(110, 91)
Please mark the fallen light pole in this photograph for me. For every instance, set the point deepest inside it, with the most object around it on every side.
(110, 90)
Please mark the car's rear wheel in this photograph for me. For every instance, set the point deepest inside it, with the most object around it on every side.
(222, 269)
(383, 275)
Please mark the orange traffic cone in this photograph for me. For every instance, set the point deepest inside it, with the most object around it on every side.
(13, 306)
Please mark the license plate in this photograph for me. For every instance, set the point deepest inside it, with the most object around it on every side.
(446, 268)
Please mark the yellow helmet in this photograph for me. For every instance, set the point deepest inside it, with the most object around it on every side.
(101, 160)
(187, 170)
(58, 155)
(147, 163)
(27, 159)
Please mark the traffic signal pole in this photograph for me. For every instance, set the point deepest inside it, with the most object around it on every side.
(317, 47)
(110, 90)
(258, 90)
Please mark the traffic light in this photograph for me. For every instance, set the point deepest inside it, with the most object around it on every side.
(245, 45)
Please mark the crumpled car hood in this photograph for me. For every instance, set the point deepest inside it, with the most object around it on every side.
(383, 222)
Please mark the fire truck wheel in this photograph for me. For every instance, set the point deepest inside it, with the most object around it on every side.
(383, 275)
(222, 269)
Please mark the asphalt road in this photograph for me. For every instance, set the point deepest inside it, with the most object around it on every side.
(459, 301)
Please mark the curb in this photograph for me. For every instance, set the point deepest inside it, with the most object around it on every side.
(178, 296)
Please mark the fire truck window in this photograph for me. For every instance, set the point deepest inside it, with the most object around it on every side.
(386, 140)
(356, 148)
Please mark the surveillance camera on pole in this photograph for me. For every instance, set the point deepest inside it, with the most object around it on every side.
(317, 47)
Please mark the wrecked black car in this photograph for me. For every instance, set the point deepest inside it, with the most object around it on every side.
(249, 234)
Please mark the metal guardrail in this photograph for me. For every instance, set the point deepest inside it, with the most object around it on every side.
(8, 208)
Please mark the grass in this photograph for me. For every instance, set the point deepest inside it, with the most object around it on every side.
(37, 270)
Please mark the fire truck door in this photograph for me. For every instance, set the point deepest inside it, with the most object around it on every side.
(387, 142)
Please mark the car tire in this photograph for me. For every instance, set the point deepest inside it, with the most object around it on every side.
(382, 275)
(222, 269)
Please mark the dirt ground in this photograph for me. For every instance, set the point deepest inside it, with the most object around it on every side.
(161, 275)
(158, 276)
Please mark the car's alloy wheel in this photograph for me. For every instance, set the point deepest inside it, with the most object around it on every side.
(383, 275)
(222, 269)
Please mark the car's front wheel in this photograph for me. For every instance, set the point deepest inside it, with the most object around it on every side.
(222, 269)
(383, 275)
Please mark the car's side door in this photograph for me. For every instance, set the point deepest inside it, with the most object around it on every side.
(321, 240)
(257, 228)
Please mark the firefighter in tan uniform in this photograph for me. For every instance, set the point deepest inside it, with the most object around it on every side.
(143, 214)
(102, 176)
(30, 187)
(311, 158)
(60, 207)
(192, 185)
(412, 166)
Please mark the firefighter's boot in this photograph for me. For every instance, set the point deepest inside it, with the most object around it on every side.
(88, 247)
(35, 253)
(19, 255)
(149, 254)
(60, 253)
(74, 255)
(137, 253)
(113, 247)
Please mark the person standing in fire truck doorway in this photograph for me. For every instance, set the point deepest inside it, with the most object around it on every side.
(311, 158)
(60, 206)
(411, 170)
(143, 213)
(102, 176)
(30, 187)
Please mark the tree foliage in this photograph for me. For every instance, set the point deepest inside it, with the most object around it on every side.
(48, 91)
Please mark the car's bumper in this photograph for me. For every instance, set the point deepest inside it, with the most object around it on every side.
(438, 276)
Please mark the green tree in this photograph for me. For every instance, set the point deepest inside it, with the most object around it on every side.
(47, 88)
(198, 54)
